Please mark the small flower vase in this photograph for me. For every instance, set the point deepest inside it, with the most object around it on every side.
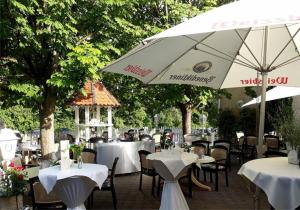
(79, 162)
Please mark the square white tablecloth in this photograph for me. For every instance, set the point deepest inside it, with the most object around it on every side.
(170, 165)
(277, 178)
(77, 189)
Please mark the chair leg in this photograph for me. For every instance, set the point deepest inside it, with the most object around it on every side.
(204, 175)
(153, 185)
(158, 186)
(88, 201)
(114, 197)
(216, 181)
(141, 177)
(226, 177)
(190, 187)
(92, 198)
(210, 177)
(198, 173)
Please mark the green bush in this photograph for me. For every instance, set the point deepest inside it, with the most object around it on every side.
(227, 124)
(247, 121)
(19, 118)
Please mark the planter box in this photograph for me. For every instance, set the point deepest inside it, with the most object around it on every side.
(11, 203)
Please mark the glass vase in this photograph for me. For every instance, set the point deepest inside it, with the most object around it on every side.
(79, 161)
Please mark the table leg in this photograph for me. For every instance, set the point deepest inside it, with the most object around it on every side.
(199, 184)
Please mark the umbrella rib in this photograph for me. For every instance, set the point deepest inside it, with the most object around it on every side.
(165, 69)
(233, 58)
(289, 61)
(285, 46)
(254, 67)
(243, 40)
(240, 63)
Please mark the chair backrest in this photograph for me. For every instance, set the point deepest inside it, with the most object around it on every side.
(128, 137)
(97, 139)
(273, 153)
(199, 150)
(40, 196)
(145, 164)
(145, 137)
(220, 153)
(131, 132)
(272, 143)
(89, 155)
(113, 171)
(251, 140)
(156, 137)
(224, 143)
(202, 143)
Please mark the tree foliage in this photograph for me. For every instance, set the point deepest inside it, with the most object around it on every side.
(50, 48)
(19, 118)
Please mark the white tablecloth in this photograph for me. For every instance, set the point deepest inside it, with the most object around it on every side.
(53, 178)
(127, 152)
(277, 178)
(170, 165)
(28, 146)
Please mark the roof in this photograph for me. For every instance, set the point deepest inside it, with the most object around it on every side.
(96, 94)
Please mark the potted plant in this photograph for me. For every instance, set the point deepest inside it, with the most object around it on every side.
(290, 131)
(166, 140)
(12, 185)
(77, 149)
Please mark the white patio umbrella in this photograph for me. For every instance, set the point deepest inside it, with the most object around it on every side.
(276, 93)
(243, 43)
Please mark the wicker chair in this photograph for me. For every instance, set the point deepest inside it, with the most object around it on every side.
(220, 153)
(226, 144)
(146, 169)
(108, 184)
(272, 142)
(204, 144)
(89, 155)
(40, 198)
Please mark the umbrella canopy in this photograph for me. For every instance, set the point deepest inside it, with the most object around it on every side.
(235, 45)
(276, 93)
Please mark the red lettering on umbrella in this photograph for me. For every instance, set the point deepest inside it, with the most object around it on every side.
(137, 70)
(271, 81)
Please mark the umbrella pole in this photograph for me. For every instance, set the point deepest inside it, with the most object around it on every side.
(262, 114)
(264, 75)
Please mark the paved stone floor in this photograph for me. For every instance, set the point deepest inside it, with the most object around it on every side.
(236, 196)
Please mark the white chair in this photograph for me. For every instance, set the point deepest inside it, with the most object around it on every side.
(157, 137)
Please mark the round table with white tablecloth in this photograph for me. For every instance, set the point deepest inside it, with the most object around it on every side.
(73, 185)
(170, 165)
(129, 161)
(277, 178)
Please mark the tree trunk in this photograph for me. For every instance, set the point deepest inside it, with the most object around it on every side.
(47, 109)
(186, 113)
